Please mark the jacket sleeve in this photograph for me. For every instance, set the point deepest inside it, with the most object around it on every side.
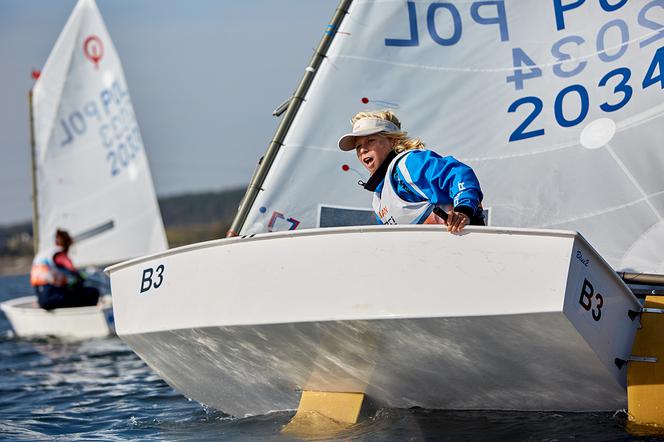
(423, 174)
(64, 263)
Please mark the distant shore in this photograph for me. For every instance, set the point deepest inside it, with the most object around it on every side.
(19, 265)
(188, 218)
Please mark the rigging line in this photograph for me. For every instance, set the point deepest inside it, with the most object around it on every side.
(603, 212)
(310, 147)
(505, 69)
(633, 180)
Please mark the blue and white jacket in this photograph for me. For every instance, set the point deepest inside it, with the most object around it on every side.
(419, 181)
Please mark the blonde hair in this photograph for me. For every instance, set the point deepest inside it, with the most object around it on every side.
(400, 138)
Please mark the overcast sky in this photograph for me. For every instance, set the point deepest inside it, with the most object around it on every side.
(204, 77)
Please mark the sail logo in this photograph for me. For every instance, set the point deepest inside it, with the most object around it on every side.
(93, 49)
(585, 261)
(272, 225)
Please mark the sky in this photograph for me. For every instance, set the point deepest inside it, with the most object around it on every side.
(204, 77)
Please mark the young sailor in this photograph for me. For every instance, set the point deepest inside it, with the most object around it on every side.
(411, 184)
(55, 279)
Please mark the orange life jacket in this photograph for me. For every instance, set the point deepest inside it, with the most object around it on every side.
(45, 272)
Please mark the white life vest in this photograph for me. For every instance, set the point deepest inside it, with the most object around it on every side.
(390, 207)
(44, 271)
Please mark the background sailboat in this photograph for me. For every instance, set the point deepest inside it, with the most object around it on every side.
(90, 171)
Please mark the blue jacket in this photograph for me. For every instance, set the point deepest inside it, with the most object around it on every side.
(444, 180)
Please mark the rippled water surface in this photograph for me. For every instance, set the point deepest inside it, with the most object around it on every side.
(100, 390)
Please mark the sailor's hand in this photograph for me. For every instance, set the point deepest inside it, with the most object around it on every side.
(456, 221)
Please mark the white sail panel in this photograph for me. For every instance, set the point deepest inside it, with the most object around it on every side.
(556, 105)
(93, 177)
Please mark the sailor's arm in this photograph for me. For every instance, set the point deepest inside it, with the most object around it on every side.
(444, 181)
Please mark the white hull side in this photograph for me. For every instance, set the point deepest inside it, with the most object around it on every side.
(523, 340)
(30, 321)
(519, 362)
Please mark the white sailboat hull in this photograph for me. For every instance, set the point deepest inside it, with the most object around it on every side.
(28, 320)
(410, 315)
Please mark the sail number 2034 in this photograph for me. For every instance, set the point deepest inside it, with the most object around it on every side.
(591, 302)
(152, 278)
(614, 90)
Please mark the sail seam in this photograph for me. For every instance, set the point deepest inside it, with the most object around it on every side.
(602, 212)
(629, 123)
(633, 180)
(638, 238)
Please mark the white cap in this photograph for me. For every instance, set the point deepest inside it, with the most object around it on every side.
(363, 127)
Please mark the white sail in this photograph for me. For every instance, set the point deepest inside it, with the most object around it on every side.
(556, 105)
(93, 177)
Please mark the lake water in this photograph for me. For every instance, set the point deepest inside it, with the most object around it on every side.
(100, 390)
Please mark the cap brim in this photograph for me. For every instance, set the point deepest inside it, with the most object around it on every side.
(347, 142)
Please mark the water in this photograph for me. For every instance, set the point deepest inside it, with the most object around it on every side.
(100, 390)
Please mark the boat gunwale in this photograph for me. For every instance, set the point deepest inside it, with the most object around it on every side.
(337, 231)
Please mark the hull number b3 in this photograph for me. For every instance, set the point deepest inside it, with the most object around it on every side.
(592, 302)
(152, 278)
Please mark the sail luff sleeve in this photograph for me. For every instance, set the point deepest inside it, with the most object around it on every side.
(293, 107)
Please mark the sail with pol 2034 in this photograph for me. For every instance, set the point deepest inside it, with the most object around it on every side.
(557, 106)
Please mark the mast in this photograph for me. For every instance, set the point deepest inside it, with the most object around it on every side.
(294, 105)
(33, 163)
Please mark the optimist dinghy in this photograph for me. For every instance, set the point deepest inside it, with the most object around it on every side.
(557, 106)
(90, 172)
(494, 318)
(31, 321)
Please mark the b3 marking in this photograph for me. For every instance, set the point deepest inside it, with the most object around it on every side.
(592, 302)
(152, 278)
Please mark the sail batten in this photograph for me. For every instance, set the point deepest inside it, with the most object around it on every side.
(92, 176)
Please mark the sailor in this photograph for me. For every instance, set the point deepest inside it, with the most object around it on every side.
(56, 281)
(411, 184)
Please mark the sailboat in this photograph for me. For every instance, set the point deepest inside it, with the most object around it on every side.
(556, 107)
(90, 172)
